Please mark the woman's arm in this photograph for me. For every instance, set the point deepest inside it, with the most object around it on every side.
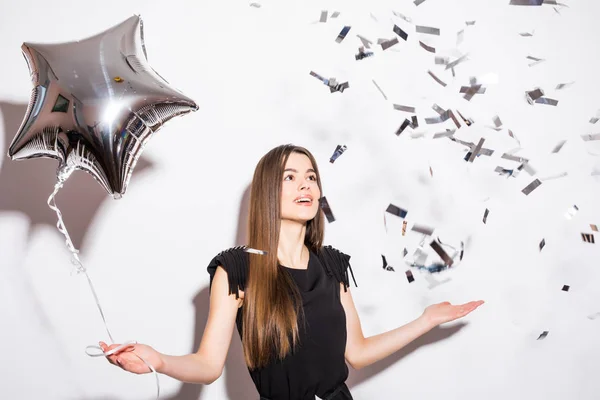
(206, 365)
(361, 351)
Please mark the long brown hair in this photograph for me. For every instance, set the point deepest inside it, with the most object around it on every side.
(272, 302)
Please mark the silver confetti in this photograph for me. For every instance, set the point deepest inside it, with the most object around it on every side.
(427, 30)
(533, 95)
(335, 14)
(389, 43)
(535, 60)
(441, 60)
(366, 42)
(438, 80)
(561, 86)
(427, 47)
(559, 146)
(255, 5)
(323, 16)
(417, 2)
(561, 175)
(476, 150)
(404, 108)
(531, 187)
(422, 229)
(460, 36)
(594, 316)
(547, 101)
(446, 133)
(470, 23)
(457, 61)
(342, 34)
(378, 88)
(404, 17)
(590, 137)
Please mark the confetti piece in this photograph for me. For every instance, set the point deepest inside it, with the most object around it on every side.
(497, 121)
(542, 244)
(559, 146)
(459, 60)
(535, 60)
(342, 34)
(404, 125)
(441, 60)
(386, 267)
(594, 316)
(397, 211)
(426, 47)
(339, 150)
(404, 108)
(335, 14)
(565, 288)
(590, 137)
(526, 34)
(442, 253)
(398, 31)
(409, 276)
(561, 86)
(547, 101)
(417, 2)
(476, 89)
(475, 152)
(427, 30)
(255, 251)
(561, 175)
(446, 133)
(531, 187)
(526, 2)
(256, 5)
(467, 121)
(470, 23)
(404, 17)
(485, 215)
(366, 42)
(588, 237)
(378, 88)
(436, 78)
(404, 223)
(543, 335)
(595, 119)
(422, 229)
(323, 16)
(326, 209)
(594, 227)
(508, 156)
(389, 43)
(430, 171)
(363, 54)
(460, 36)
(571, 212)
(533, 95)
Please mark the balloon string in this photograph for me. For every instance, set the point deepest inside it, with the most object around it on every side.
(81, 269)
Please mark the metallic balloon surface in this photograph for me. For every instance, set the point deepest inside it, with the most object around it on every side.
(95, 104)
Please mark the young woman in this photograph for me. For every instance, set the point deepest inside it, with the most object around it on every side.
(289, 297)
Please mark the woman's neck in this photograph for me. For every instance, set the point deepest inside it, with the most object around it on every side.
(291, 250)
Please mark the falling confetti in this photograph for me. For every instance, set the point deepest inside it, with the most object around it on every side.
(326, 209)
(543, 335)
(485, 215)
(339, 150)
(409, 276)
(542, 244)
(531, 187)
(588, 237)
(342, 34)
(571, 212)
(565, 288)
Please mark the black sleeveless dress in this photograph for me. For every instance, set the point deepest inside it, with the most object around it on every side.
(317, 367)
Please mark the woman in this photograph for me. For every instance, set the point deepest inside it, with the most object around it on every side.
(288, 295)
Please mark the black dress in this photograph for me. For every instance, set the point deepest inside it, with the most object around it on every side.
(317, 366)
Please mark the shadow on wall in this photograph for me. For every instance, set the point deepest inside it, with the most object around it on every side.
(26, 184)
(239, 385)
(357, 377)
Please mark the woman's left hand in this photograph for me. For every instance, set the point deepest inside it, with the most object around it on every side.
(440, 313)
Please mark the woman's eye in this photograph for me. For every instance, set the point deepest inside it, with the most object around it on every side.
(313, 177)
(288, 176)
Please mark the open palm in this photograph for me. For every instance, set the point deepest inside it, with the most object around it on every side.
(445, 312)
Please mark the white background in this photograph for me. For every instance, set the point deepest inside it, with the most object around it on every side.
(248, 70)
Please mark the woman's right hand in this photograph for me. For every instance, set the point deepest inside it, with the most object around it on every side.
(130, 358)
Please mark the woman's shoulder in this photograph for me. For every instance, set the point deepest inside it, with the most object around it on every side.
(337, 264)
(234, 261)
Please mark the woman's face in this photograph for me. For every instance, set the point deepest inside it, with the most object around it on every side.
(299, 190)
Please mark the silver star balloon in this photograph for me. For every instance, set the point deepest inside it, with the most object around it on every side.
(95, 104)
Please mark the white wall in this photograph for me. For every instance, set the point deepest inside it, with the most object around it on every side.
(248, 69)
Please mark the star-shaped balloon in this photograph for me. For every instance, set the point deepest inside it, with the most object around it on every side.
(95, 104)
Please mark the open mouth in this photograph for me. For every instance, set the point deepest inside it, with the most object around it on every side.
(304, 201)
